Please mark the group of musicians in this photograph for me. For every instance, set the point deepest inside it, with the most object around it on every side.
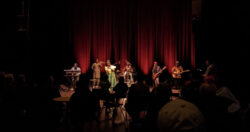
(127, 73)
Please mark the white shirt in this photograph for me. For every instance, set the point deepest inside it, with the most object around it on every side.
(78, 69)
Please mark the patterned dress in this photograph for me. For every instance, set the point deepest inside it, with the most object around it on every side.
(110, 70)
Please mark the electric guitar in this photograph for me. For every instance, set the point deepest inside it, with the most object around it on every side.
(178, 74)
(158, 73)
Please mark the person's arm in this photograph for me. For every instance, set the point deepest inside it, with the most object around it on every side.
(101, 62)
(128, 62)
(181, 69)
(124, 69)
(106, 69)
(131, 69)
(158, 69)
(113, 68)
(207, 72)
(79, 71)
(173, 70)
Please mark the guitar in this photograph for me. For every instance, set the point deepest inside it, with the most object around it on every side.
(178, 74)
(158, 73)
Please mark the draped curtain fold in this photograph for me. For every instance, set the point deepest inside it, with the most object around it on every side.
(139, 30)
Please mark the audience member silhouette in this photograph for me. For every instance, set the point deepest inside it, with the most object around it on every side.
(159, 97)
(83, 104)
(138, 102)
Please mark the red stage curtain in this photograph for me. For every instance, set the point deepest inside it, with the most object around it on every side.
(81, 33)
(152, 29)
(122, 31)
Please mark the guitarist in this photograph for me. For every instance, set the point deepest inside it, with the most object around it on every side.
(156, 69)
(177, 70)
(176, 74)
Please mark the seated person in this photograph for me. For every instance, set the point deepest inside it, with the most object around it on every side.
(138, 101)
(120, 91)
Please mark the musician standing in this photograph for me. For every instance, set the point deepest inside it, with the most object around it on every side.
(76, 72)
(110, 70)
(156, 69)
(128, 73)
(211, 70)
(177, 71)
(96, 67)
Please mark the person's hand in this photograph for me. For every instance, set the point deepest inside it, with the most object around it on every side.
(112, 92)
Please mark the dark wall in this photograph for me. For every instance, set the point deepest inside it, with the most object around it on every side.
(9, 56)
(223, 36)
(45, 47)
(49, 35)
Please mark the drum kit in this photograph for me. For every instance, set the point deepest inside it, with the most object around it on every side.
(128, 76)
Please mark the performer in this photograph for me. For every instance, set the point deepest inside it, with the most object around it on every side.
(75, 74)
(96, 67)
(117, 71)
(77, 71)
(210, 70)
(110, 70)
(155, 71)
(128, 73)
(177, 71)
